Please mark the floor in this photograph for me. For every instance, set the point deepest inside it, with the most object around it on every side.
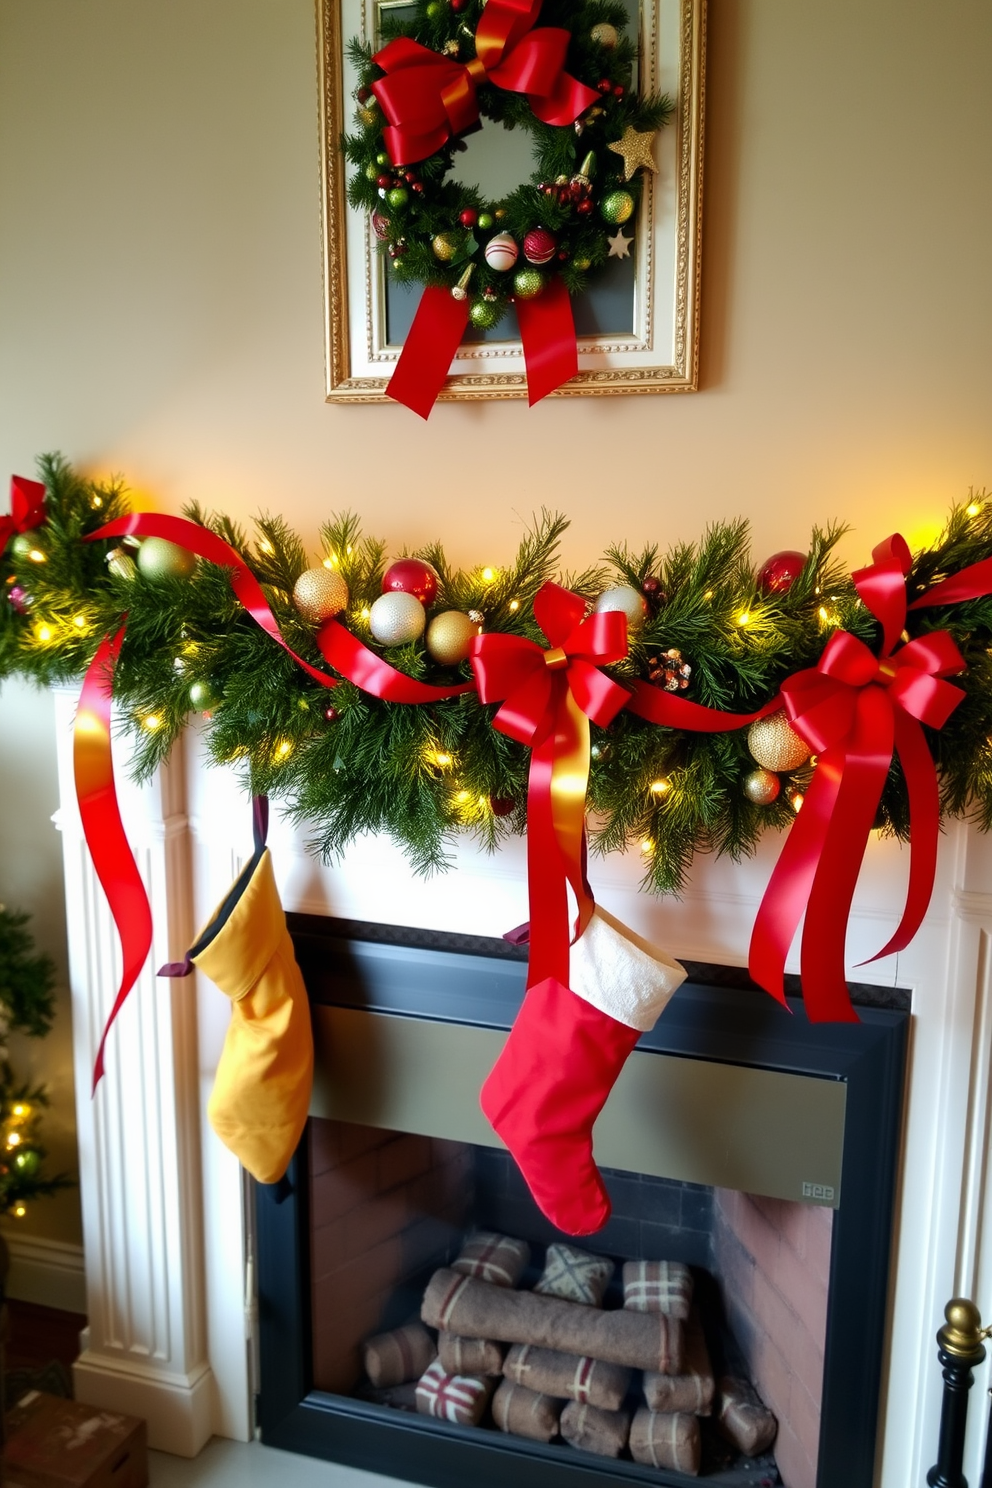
(227, 1464)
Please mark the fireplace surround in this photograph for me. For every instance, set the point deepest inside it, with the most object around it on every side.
(729, 1090)
(169, 1222)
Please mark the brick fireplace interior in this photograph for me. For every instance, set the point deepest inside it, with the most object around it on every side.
(386, 1186)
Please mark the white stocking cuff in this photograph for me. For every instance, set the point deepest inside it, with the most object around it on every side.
(622, 974)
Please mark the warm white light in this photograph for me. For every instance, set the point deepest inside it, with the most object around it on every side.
(283, 749)
(19, 1211)
(514, 604)
(744, 618)
(660, 787)
(79, 621)
(151, 722)
(796, 801)
(43, 632)
(266, 547)
(647, 845)
(14, 1139)
(973, 508)
(37, 556)
(488, 574)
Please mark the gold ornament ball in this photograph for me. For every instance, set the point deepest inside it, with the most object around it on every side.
(604, 35)
(397, 618)
(762, 787)
(449, 636)
(774, 743)
(159, 559)
(445, 247)
(319, 594)
(121, 564)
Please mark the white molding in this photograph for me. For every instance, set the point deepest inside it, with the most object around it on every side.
(51, 1273)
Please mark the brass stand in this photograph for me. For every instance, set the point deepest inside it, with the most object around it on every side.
(960, 1350)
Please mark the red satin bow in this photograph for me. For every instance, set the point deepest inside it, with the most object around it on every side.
(854, 709)
(428, 98)
(548, 698)
(27, 508)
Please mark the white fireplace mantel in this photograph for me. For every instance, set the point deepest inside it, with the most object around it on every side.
(167, 1215)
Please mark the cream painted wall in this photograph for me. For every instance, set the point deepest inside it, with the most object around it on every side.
(160, 298)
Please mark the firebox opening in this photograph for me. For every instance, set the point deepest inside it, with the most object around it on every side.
(388, 1209)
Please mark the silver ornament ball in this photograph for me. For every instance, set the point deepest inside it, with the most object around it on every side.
(628, 600)
(762, 787)
(397, 618)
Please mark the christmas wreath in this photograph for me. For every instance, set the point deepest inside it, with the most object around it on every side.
(569, 82)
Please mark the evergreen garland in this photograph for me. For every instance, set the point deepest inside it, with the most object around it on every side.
(344, 763)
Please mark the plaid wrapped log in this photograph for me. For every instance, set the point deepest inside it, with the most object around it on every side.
(523, 1412)
(396, 1357)
(460, 1304)
(498, 1259)
(666, 1439)
(694, 1389)
(743, 1420)
(575, 1275)
(470, 1355)
(461, 1398)
(568, 1376)
(604, 1432)
(657, 1286)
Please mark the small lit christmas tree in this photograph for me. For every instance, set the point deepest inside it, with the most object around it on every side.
(27, 1005)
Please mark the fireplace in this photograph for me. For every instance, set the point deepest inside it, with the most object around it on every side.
(740, 1141)
(168, 1219)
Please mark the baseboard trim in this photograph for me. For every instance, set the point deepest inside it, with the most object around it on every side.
(48, 1272)
(177, 1408)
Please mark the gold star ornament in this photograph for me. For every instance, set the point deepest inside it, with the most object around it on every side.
(636, 150)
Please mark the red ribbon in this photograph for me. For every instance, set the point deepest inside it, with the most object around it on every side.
(206, 544)
(431, 343)
(547, 331)
(27, 508)
(353, 659)
(103, 829)
(854, 709)
(428, 98)
(548, 698)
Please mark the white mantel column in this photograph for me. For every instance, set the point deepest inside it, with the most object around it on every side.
(145, 1349)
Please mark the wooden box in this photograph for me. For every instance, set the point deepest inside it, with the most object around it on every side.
(53, 1443)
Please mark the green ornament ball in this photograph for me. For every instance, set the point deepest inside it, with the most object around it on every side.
(433, 10)
(371, 173)
(398, 197)
(486, 221)
(616, 207)
(159, 559)
(527, 284)
(27, 1162)
(204, 695)
(483, 314)
(382, 158)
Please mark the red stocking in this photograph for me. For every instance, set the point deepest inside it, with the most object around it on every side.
(561, 1060)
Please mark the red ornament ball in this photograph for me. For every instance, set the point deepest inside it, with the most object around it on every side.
(501, 805)
(470, 216)
(411, 576)
(332, 714)
(781, 571)
(539, 246)
(651, 587)
(380, 226)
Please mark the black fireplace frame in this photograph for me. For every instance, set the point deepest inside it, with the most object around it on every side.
(717, 1015)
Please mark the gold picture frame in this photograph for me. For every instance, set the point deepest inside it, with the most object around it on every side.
(661, 352)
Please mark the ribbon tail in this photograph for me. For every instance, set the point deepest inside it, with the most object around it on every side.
(924, 818)
(546, 883)
(791, 883)
(670, 711)
(547, 331)
(430, 347)
(103, 829)
(569, 786)
(347, 654)
(864, 769)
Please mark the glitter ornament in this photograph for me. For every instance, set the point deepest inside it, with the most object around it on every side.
(604, 35)
(444, 247)
(19, 599)
(398, 197)
(669, 671)
(204, 695)
(397, 618)
(539, 246)
(412, 576)
(616, 207)
(483, 314)
(774, 743)
(449, 636)
(319, 594)
(159, 559)
(527, 284)
(121, 564)
(779, 572)
(627, 600)
(501, 252)
(380, 226)
(762, 787)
